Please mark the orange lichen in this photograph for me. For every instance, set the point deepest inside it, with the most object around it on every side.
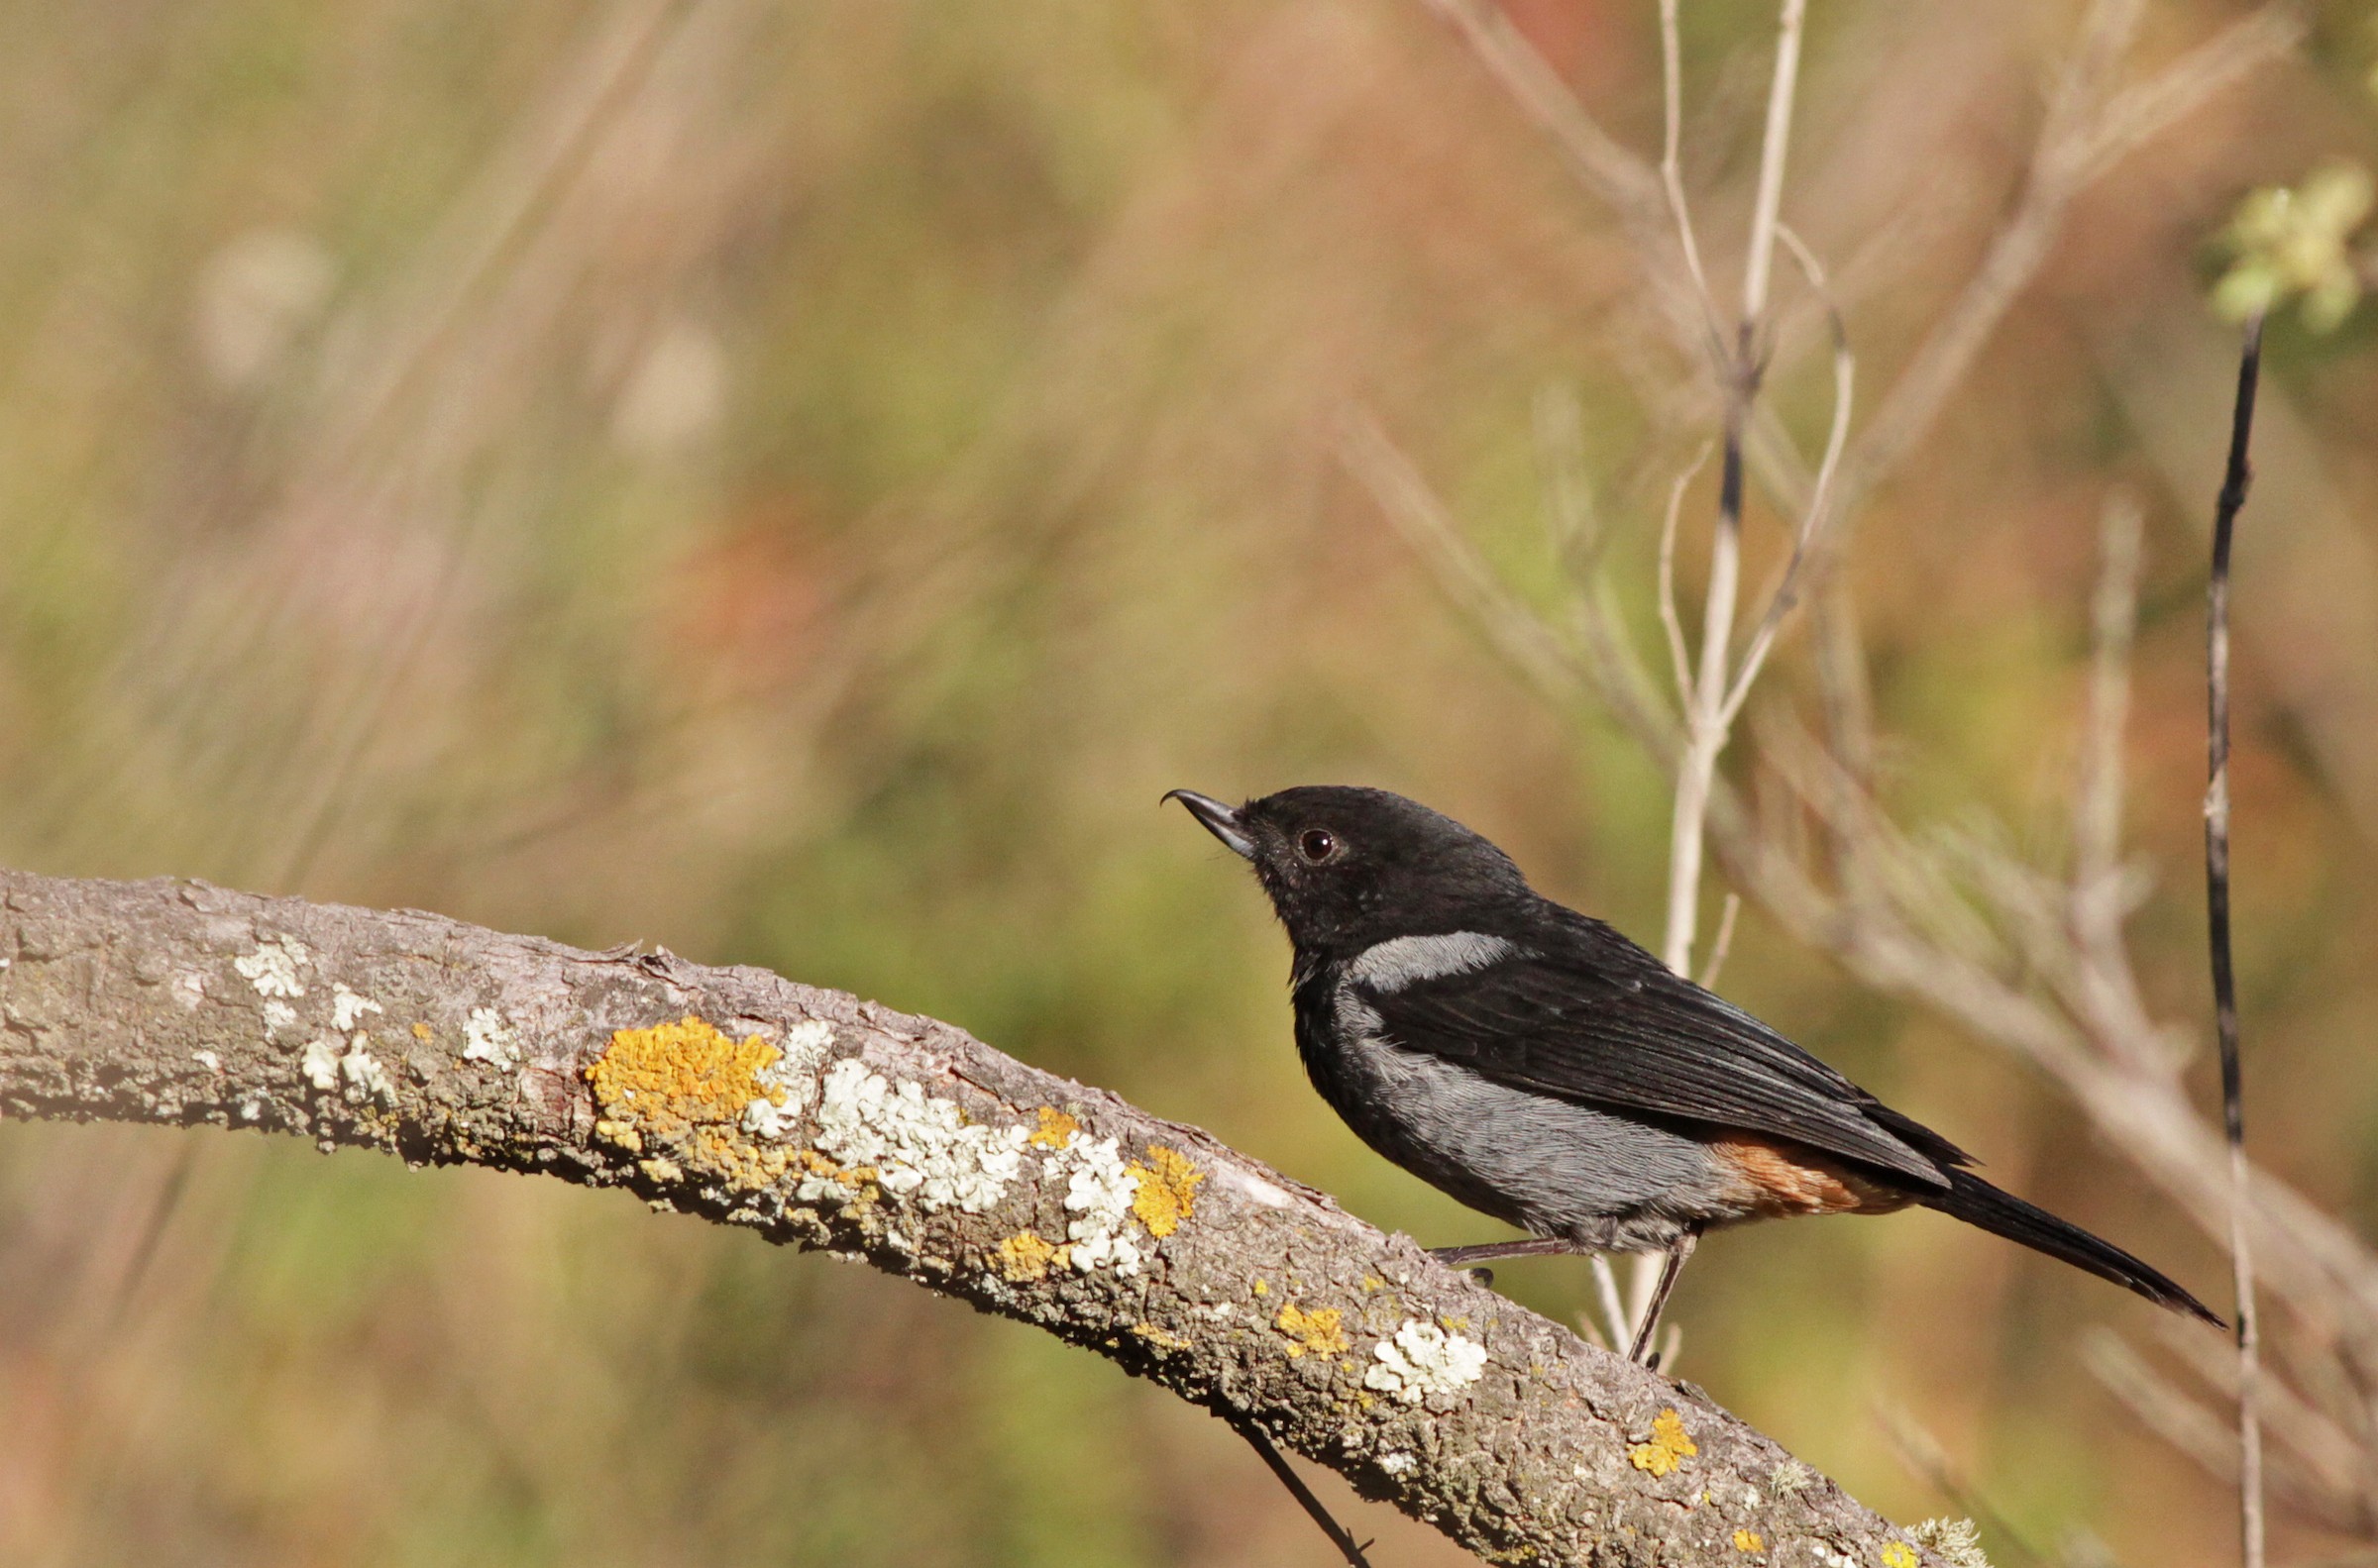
(1168, 1184)
(1161, 1338)
(1748, 1541)
(1670, 1446)
(1057, 1130)
(682, 1089)
(421, 1032)
(1026, 1257)
(1321, 1330)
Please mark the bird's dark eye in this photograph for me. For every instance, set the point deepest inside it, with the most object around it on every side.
(1316, 844)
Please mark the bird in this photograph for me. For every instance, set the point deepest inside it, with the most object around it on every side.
(1537, 1066)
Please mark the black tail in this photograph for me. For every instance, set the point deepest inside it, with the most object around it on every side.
(1976, 1203)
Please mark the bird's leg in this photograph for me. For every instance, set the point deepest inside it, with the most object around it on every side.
(1534, 1246)
(1677, 1252)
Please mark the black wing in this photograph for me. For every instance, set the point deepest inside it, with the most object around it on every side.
(1582, 1013)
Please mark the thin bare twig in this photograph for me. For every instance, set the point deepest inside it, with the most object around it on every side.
(2171, 1414)
(2176, 1415)
(1575, 530)
(1922, 1453)
(2233, 500)
(2098, 801)
(2330, 1459)
(1705, 735)
(1769, 203)
(2081, 139)
(1672, 170)
(1348, 1547)
(1680, 662)
(1723, 942)
(2079, 143)
(1616, 1323)
(1604, 668)
(1413, 507)
(1814, 518)
(2098, 978)
(1706, 725)
(2137, 115)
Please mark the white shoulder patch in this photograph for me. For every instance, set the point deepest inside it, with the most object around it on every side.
(1408, 960)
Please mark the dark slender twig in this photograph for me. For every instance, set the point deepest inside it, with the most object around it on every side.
(2234, 482)
(1348, 1547)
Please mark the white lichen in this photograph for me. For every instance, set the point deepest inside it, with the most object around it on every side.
(320, 1064)
(1422, 1360)
(488, 1037)
(920, 1146)
(1957, 1543)
(189, 989)
(365, 1078)
(765, 1118)
(347, 1009)
(279, 1015)
(790, 1079)
(1397, 1463)
(795, 1071)
(1100, 1191)
(208, 1060)
(273, 968)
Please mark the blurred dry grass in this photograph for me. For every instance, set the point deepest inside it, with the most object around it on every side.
(796, 485)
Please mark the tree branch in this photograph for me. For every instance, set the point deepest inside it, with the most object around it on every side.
(824, 1121)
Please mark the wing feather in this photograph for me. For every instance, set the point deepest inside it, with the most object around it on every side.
(1589, 1016)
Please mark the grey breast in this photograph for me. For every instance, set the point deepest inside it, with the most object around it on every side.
(1549, 1166)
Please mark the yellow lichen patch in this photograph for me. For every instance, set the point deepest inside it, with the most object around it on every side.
(1321, 1330)
(853, 1177)
(1262, 1288)
(421, 1032)
(1670, 1447)
(1899, 1554)
(1161, 1338)
(621, 1133)
(1024, 1256)
(1057, 1130)
(1168, 1184)
(680, 1089)
(1748, 1541)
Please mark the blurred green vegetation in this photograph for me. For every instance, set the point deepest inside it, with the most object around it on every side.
(796, 483)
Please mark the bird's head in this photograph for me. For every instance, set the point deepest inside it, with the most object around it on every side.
(1347, 868)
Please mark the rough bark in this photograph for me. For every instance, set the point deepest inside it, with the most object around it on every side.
(821, 1120)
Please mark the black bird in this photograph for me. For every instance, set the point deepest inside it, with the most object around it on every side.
(1540, 1067)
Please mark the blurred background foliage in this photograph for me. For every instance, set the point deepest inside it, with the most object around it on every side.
(794, 484)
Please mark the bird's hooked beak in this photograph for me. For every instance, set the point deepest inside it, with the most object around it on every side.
(1221, 820)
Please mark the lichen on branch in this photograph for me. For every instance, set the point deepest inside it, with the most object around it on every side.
(820, 1120)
